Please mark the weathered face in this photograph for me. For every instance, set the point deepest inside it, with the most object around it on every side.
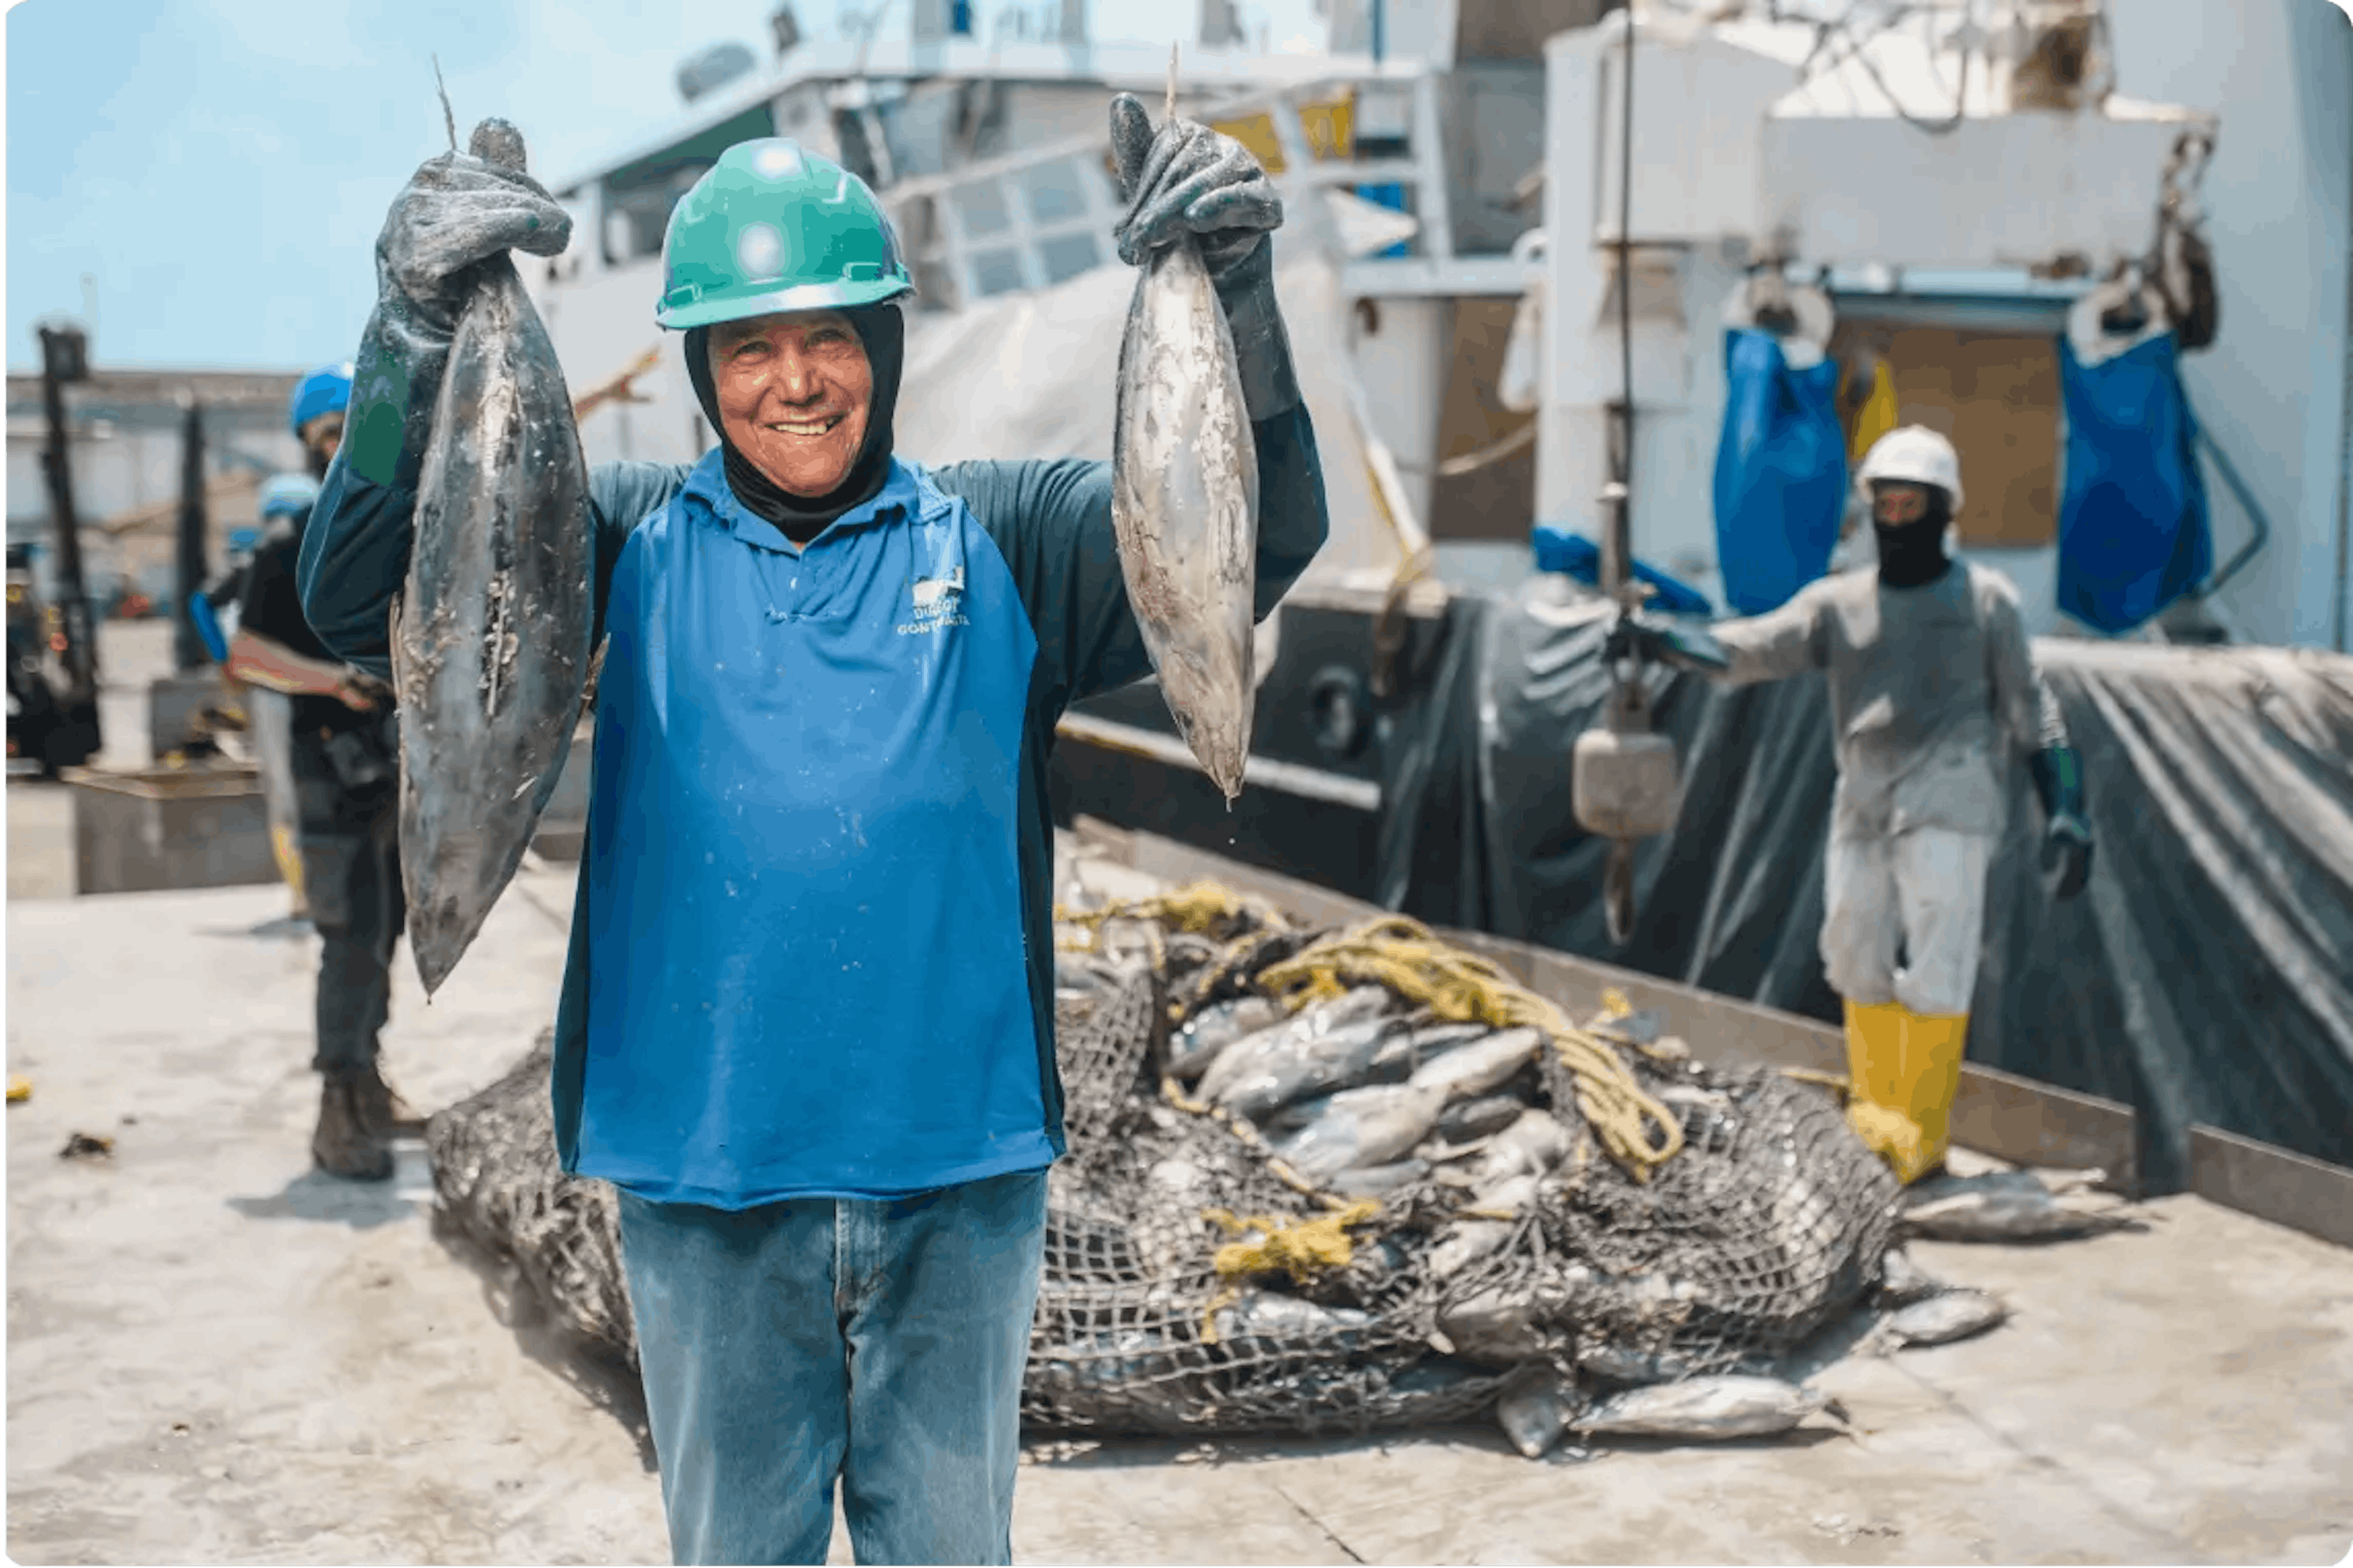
(325, 434)
(1894, 504)
(794, 392)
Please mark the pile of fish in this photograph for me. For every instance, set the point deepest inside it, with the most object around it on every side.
(489, 635)
(1361, 1099)
(1467, 1253)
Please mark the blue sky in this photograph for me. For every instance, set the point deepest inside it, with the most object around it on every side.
(222, 168)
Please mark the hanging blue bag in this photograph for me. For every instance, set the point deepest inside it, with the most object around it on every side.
(2134, 534)
(1780, 473)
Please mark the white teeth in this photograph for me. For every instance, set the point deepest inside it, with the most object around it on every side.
(819, 428)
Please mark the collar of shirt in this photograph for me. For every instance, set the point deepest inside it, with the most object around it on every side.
(900, 495)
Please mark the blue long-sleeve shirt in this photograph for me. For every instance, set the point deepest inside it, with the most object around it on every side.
(812, 949)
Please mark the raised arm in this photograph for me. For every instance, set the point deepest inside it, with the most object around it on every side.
(1771, 647)
(455, 212)
(1051, 520)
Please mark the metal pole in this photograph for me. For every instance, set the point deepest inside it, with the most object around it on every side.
(189, 647)
(1618, 567)
(1380, 29)
(81, 660)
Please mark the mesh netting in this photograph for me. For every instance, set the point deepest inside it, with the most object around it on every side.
(495, 1169)
(1326, 1315)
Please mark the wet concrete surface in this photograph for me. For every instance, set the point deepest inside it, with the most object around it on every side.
(215, 1355)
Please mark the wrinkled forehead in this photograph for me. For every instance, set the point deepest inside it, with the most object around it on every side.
(780, 326)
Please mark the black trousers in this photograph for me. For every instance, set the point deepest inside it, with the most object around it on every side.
(351, 879)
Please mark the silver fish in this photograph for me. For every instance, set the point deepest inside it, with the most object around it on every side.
(1378, 1181)
(1706, 1408)
(1362, 1127)
(2020, 1209)
(1531, 1145)
(1268, 1314)
(489, 635)
(1903, 1282)
(1466, 1120)
(1942, 1319)
(1184, 507)
(1193, 1048)
(1305, 1067)
(1406, 1054)
(1535, 1410)
(1253, 1052)
(1469, 1071)
(1497, 1326)
(1623, 1364)
(1472, 1237)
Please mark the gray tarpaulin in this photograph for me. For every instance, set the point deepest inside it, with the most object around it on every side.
(2206, 974)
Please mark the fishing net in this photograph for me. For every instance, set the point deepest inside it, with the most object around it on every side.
(1702, 1219)
(495, 1171)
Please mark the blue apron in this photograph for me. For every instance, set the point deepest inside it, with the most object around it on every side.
(2133, 529)
(1780, 474)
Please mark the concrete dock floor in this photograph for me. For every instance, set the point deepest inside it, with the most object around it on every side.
(215, 1355)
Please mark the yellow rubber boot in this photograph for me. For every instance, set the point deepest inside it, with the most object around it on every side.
(289, 866)
(1881, 1100)
(1933, 1049)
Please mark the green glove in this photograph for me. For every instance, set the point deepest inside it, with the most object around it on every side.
(1185, 178)
(456, 211)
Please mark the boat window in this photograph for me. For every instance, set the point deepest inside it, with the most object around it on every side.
(1053, 193)
(997, 272)
(980, 208)
(1068, 257)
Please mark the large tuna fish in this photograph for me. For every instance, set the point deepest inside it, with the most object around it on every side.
(490, 637)
(1185, 505)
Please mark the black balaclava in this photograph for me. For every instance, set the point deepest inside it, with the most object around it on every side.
(1912, 555)
(883, 331)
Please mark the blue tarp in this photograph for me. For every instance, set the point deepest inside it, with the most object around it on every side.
(2132, 530)
(1780, 473)
(1573, 556)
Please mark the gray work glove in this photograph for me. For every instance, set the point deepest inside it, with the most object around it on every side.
(1185, 178)
(2065, 857)
(1639, 637)
(455, 212)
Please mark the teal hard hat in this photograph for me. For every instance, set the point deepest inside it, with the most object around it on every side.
(770, 227)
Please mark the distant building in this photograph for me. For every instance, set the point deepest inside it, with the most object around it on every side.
(124, 430)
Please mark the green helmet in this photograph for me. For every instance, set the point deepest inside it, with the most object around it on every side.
(773, 227)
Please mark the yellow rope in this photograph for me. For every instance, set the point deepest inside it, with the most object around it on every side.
(1403, 955)
(1199, 911)
(1298, 1248)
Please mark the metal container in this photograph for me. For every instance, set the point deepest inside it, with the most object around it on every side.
(1625, 784)
(169, 827)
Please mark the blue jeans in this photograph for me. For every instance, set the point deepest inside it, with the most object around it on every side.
(882, 1340)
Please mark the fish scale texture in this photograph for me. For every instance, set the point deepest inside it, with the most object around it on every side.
(1773, 1221)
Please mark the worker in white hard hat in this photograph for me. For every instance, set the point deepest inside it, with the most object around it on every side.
(1934, 691)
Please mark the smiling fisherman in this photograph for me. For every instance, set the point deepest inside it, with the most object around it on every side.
(807, 1020)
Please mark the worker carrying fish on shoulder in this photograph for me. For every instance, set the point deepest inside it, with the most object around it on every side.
(805, 1027)
(340, 748)
(1932, 690)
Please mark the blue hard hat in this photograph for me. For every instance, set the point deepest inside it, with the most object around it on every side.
(287, 495)
(327, 390)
